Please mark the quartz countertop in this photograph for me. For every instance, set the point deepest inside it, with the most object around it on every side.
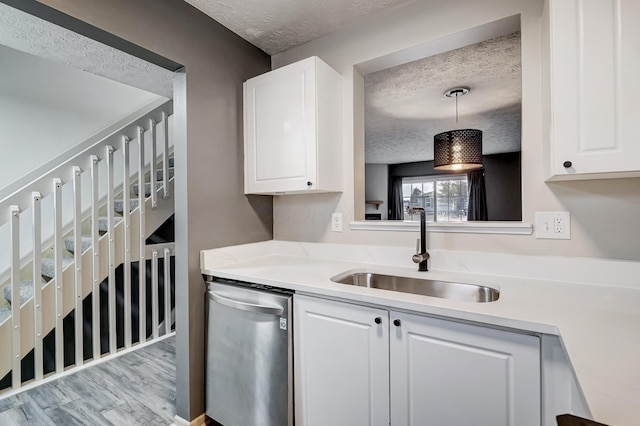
(593, 305)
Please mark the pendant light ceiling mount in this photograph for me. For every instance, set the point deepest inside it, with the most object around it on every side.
(456, 92)
(457, 149)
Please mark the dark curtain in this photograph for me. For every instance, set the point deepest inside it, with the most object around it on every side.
(395, 199)
(477, 196)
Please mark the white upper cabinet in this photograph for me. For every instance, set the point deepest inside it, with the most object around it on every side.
(292, 131)
(594, 84)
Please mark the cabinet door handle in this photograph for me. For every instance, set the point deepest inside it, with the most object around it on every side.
(309, 183)
(378, 320)
(567, 164)
(397, 322)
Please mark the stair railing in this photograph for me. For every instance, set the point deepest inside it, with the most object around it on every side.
(42, 182)
(73, 281)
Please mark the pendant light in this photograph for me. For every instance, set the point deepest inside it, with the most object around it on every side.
(457, 149)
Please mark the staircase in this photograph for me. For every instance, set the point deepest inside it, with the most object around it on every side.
(72, 286)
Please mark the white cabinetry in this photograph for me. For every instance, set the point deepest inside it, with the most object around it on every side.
(440, 372)
(341, 364)
(292, 131)
(594, 85)
(448, 373)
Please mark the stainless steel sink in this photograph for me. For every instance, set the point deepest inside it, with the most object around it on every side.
(424, 287)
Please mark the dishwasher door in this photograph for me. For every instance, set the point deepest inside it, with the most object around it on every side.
(249, 356)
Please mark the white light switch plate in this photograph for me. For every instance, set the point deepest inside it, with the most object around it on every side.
(553, 225)
(336, 222)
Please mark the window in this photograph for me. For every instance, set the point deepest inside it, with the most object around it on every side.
(444, 198)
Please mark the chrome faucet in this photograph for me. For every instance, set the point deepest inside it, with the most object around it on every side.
(421, 257)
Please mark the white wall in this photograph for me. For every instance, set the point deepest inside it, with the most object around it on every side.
(47, 108)
(376, 188)
(604, 213)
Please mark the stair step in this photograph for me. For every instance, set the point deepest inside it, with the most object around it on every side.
(118, 205)
(26, 291)
(147, 188)
(5, 312)
(103, 222)
(49, 265)
(85, 243)
(170, 162)
(160, 174)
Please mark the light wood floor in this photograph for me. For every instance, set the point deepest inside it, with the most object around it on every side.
(138, 388)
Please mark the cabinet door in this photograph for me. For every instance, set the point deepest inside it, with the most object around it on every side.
(279, 125)
(595, 87)
(341, 364)
(445, 373)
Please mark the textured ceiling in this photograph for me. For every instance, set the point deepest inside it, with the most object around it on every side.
(405, 105)
(278, 25)
(25, 32)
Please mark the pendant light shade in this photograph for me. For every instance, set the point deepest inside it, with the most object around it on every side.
(457, 149)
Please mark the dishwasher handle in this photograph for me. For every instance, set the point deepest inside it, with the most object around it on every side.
(245, 306)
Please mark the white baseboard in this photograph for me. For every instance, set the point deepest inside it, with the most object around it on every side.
(179, 421)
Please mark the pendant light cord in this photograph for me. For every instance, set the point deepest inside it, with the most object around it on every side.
(456, 92)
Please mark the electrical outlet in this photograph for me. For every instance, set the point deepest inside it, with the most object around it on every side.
(553, 225)
(558, 225)
(336, 222)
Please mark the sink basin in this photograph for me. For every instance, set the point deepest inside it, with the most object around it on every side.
(421, 286)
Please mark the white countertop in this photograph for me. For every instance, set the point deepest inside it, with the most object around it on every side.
(593, 305)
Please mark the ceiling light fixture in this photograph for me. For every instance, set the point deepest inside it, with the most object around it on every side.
(457, 149)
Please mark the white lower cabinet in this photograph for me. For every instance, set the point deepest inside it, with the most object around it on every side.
(447, 373)
(409, 369)
(341, 364)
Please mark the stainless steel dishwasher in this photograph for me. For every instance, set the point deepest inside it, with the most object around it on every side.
(249, 378)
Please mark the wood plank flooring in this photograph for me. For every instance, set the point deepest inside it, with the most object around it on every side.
(138, 388)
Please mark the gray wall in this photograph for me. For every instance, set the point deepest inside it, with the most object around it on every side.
(211, 209)
(376, 188)
(504, 186)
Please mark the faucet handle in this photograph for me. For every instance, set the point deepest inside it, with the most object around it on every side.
(419, 257)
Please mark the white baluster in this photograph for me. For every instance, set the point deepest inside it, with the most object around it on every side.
(154, 166)
(58, 280)
(165, 155)
(154, 293)
(127, 244)
(142, 265)
(36, 224)
(95, 246)
(167, 291)
(113, 343)
(16, 374)
(77, 261)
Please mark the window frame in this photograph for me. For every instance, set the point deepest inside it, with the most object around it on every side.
(435, 179)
